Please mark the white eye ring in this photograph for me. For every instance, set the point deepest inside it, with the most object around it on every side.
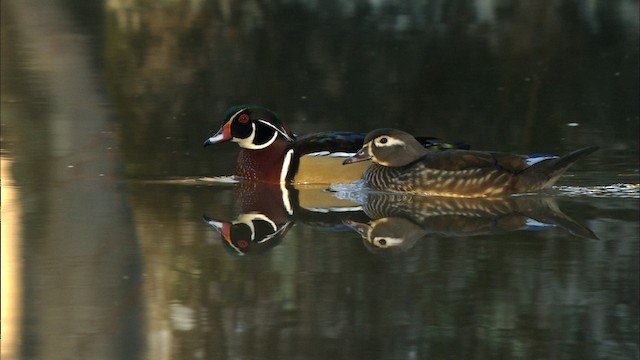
(384, 242)
(387, 141)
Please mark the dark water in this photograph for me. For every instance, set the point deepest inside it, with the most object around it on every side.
(105, 250)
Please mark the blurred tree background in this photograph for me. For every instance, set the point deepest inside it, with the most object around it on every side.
(504, 75)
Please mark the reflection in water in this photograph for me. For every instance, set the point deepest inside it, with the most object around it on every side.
(268, 211)
(393, 221)
(81, 271)
(250, 233)
(399, 220)
(11, 262)
(319, 294)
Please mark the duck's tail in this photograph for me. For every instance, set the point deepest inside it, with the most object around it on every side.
(547, 212)
(547, 172)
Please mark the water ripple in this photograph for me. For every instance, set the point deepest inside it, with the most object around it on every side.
(221, 179)
(357, 191)
(612, 191)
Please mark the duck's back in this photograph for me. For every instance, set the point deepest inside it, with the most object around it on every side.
(417, 178)
(461, 160)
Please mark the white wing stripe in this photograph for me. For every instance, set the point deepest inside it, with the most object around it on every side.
(330, 154)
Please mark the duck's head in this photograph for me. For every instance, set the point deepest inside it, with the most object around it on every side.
(388, 233)
(252, 127)
(389, 147)
(250, 233)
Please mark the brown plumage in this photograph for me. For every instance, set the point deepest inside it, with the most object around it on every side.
(402, 165)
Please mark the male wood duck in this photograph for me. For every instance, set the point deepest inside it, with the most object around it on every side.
(401, 164)
(270, 152)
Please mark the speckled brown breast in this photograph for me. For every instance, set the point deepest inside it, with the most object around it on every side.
(262, 165)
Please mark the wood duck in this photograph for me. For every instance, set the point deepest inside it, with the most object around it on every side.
(271, 152)
(401, 164)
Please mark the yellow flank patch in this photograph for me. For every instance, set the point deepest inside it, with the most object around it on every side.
(317, 198)
(327, 170)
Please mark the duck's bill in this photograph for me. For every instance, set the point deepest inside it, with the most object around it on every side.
(224, 228)
(361, 155)
(224, 134)
(360, 228)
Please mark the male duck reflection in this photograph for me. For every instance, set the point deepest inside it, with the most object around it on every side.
(267, 212)
(250, 233)
(401, 164)
(398, 221)
(272, 153)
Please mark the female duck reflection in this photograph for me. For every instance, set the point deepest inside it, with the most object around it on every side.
(398, 221)
(386, 222)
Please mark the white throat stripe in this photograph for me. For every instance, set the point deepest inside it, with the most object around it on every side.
(286, 163)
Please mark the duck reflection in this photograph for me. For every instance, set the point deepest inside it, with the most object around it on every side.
(386, 222)
(398, 221)
(268, 211)
(389, 233)
(250, 233)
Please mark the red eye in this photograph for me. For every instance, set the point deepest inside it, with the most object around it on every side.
(242, 243)
(244, 118)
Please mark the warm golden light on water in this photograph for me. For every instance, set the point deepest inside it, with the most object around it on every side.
(10, 260)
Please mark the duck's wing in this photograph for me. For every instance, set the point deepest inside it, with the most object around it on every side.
(345, 143)
(327, 143)
(436, 144)
(458, 160)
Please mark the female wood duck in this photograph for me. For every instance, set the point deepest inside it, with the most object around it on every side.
(401, 164)
(272, 153)
(456, 216)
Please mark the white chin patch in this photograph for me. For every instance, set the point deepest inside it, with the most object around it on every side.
(248, 220)
(247, 143)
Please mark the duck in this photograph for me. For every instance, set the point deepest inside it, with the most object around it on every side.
(270, 152)
(401, 164)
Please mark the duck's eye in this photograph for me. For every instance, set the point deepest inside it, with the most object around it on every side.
(242, 243)
(244, 118)
(383, 140)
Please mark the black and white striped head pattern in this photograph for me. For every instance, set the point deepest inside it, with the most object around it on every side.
(252, 127)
